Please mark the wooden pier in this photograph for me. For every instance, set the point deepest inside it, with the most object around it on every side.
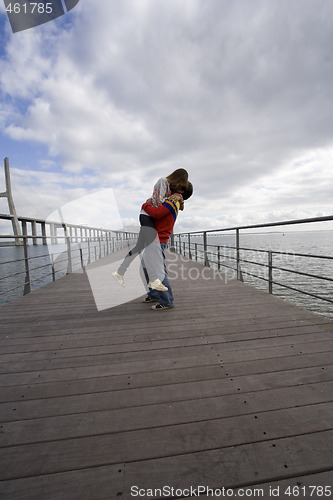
(233, 389)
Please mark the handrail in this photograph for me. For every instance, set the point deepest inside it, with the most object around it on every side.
(325, 218)
(212, 254)
(69, 229)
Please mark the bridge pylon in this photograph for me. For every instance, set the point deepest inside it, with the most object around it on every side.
(12, 211)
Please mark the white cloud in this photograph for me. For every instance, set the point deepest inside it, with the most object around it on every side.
(238, 93)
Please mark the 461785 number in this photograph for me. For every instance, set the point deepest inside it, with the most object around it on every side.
(308, 491)
(30, 8)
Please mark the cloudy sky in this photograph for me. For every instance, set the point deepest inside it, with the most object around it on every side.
(100, 103)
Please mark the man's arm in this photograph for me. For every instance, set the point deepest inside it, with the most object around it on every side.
(169, 206)
(156, 212)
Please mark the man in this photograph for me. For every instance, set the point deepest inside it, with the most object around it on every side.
(165, 217)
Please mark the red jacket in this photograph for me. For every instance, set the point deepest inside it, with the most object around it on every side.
(165, 216)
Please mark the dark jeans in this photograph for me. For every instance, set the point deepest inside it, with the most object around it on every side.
(147, 235)
(164, 298)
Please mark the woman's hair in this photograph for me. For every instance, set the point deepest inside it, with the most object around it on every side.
(178, 179)
(188, 191)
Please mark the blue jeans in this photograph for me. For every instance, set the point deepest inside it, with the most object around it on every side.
(164, 298)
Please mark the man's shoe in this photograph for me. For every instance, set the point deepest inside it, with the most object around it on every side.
(147, 300)
(157, 285)
(160, 307)
(119, 278)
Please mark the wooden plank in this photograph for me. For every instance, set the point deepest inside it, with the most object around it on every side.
(157, 442)
(251, 367)
(146, 414)
(102, 483)
(261, 381)
(94, 370)
(224, 355)
(160, 340)
(179, 328)
(126, 398)
(102, 321)
(151, 346)
(249, 464)
(232, 368)
(311, 486)
(254, 312)
(98, 483)
(188, 336)
(201, 339)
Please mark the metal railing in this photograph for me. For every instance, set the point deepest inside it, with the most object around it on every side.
(268, 266)
(33, 269)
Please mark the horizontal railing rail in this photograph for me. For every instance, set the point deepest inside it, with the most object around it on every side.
(27, 270)
(49, 229)
(265, 265)
(326, 218)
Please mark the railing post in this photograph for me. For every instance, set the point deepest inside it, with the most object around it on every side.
(88, 241)
(69, 255)
(107, 242)
(189, 247)
(68, 244)
(270, 272)
(43, 224)
(206, 260)
(81, 258)
(53, 233)
(34, 232)
(53, 268)
(239, 270)
(196, 251)
(24, 229)
(27, 287)
(218, 257)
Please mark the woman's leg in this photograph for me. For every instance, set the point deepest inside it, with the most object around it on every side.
(147, 234)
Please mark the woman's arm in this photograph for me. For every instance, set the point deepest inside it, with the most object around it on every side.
(160, 192)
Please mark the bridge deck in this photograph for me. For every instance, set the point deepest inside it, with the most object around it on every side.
(232, 388)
